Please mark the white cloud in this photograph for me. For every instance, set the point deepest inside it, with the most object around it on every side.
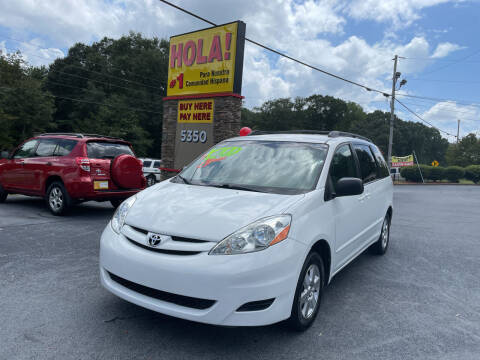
(312, 31)
(444, 49)
(400, 13)
(445, 114)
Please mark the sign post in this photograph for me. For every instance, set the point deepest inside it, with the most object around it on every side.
(203, 103)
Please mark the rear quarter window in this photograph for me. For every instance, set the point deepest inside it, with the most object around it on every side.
(65, 147)
(157, 164)
(107, 150)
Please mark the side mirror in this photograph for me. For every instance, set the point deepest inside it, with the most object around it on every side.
(348, 186)
(4, 155)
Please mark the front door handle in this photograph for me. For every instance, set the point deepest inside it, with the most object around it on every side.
(49, 163)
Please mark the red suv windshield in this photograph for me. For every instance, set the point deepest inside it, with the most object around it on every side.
(107, 150)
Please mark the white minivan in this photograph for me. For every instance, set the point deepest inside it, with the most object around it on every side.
(252, 230)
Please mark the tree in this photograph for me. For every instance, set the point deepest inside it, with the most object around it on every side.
(466, 152)
(25, 108)
(113, 87)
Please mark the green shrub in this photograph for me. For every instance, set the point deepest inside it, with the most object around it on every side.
(454, 173)
(411, 173)
(436, 173)
(472, 173)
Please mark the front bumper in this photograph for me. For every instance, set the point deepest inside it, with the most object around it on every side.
(229, 280)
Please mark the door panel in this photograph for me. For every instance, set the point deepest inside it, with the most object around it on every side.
(19, 176)
(346, 209)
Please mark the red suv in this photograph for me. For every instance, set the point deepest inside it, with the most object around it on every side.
(70, 168)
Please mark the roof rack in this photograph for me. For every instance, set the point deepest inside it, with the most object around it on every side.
(331, 134)
(64, 134)
(78, 135)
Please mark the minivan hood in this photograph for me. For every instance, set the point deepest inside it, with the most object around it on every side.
(202, 212)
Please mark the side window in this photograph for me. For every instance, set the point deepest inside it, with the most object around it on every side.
(147, 163)
(157, 164)
(65, 146)
(46, 147)
(368, 166)
(343, 164)
(27, 150)
(381, 163)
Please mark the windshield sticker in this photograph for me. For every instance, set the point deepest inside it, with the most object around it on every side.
(220, 154)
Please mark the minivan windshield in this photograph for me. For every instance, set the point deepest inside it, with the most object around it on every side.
(107, 150)
(266, 166)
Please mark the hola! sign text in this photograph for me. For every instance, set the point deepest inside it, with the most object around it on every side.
(196, 111)
(203, 61)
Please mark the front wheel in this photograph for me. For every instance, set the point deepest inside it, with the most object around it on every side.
(381, 246)
(58, 199)
(3, 194)
(308, 293)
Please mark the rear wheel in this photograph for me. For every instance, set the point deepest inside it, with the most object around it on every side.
(381, 246)
(3, 194)
(58, 199)
(151, 180)
(308, 293)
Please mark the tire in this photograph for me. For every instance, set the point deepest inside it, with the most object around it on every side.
(380, 247)
(116, 202)
(3, 194)
(307, 300)
(151, 180)
(57, 198)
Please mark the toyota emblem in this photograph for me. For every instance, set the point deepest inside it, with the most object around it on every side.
(154, 239)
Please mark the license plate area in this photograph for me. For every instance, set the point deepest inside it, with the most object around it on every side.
(100, 185)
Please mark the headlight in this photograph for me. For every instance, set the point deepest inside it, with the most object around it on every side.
(121, 213)
(254, 237)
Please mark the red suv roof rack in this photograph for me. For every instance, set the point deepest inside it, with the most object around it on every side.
(78, 135)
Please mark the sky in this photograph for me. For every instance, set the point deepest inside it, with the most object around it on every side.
(437, 41)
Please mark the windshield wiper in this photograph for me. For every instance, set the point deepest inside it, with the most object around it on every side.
(234, 187)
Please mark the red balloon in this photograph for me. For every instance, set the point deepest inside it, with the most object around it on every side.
(245, 131)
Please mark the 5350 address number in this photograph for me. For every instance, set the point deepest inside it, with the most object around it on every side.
(194, 136)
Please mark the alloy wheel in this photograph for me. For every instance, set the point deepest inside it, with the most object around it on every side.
(385, 233)
(56, 198)
(310, 291)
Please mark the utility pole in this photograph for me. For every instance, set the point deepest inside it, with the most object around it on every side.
(392, 111)
(458, 131)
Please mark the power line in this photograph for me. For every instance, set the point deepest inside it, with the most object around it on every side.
(463, 102)
(453, 63)
(443, 60)
(89, 91)
(418, 116)
(469, 116)
(278, 52)
(92, 62)
(84, 101)
(447, 81)
(97, 81)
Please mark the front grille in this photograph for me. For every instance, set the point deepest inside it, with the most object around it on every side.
(164, 251)
(175, 245)
(186, 301)
(256, 305)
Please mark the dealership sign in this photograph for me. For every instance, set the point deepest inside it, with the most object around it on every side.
(207, 61)
(399, 161)
(194, 133)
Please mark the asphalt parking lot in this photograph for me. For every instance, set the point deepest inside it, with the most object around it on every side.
(420, 301)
